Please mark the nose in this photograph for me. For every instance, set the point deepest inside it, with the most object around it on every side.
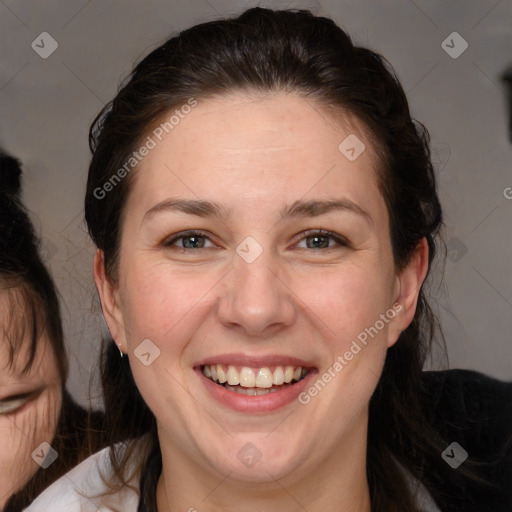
(255, 298)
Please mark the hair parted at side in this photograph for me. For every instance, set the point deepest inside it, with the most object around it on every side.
(265, 51)
(33, 310)
(34, 304)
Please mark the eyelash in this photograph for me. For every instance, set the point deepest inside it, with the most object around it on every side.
(12, 405)
(340, 240)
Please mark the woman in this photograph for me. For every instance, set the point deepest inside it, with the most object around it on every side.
(43, 431)
(265, 213)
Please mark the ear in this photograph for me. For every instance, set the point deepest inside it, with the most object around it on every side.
(109, 297)
(407, 289)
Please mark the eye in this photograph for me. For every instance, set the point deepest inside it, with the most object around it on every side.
(189, 240)
(10, 405)
(320, 239)
(14, 403)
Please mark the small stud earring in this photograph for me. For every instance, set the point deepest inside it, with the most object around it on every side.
(120, 351)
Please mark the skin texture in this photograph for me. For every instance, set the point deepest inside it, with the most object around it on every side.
(32, 418)
(254, 155)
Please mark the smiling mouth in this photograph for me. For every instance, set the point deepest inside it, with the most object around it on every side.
(254, 381)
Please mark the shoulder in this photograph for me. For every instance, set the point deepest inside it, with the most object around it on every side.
(473, 409)
(473, 414)
(82, 490)
(468, 399)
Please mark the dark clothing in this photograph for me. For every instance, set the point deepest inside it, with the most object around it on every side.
(475, 411)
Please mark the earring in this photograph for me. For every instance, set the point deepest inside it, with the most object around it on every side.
(120, 351)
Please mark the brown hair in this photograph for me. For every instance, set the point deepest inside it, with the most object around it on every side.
(31, 294)
(292, 51)
(34, 310)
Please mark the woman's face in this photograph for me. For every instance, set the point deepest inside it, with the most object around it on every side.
(256, 292)
(30, 403)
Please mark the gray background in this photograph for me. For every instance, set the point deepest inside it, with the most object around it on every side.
(48, 104)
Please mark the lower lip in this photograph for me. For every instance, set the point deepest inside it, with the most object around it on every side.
(262, 403)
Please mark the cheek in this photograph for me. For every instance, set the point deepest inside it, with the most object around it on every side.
(15, 461)
(22, 433)
(38, 421)
(350, 305)
(164, 304)
(346, 301)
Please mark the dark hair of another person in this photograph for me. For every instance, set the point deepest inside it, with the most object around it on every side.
(34, 306)
(265, 52)
(34, 310)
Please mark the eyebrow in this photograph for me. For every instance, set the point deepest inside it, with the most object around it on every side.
(300, 208)
(197, 207)
(315, 208)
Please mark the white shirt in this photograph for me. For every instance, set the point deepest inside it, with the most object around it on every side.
(81, 489)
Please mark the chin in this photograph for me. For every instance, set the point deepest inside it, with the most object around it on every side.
(257, 460)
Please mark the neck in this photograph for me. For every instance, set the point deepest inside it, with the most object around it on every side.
(336, 483)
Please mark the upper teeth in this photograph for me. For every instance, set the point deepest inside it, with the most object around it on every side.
(253, 377)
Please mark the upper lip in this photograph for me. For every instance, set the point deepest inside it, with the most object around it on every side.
(255, 361)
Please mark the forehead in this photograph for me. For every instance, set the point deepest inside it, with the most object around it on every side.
(244, 148)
